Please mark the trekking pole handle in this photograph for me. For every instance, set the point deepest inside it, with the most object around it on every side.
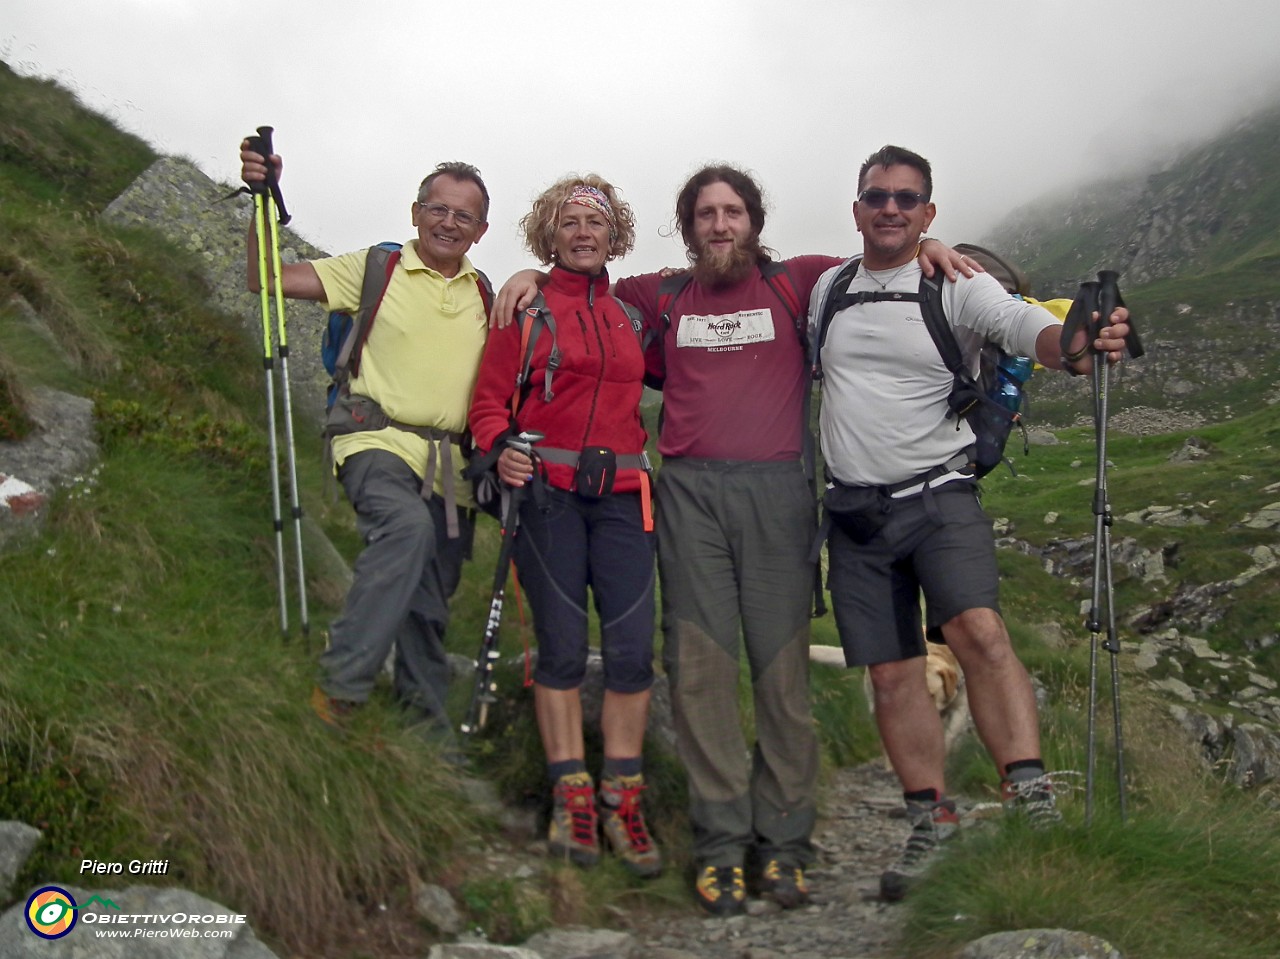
(1108, 299)
(523, 442)
(262, 144)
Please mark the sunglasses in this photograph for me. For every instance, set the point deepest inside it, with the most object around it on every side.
(905, 200)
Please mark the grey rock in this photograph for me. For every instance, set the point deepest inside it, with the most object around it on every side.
(58, 454)
(1040, 944)
(481, 950)
(1178, 688)
(17, 840)
(1255, 755)
(1193, 450)
(576, 943)
(434, 905)
(1266, 518)
(192, 211)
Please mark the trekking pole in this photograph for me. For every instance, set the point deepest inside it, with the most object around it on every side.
(1102, 296)
(263, 143)
(261, 214)
(482, 695)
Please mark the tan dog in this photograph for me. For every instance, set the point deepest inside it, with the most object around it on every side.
(943, 674)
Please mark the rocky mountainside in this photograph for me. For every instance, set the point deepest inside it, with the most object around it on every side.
(1196, 243)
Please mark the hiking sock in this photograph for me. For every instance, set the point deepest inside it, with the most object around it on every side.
(1028, 789)
(923, 796)
(617, 768)
(1024, 769)
(566, 767)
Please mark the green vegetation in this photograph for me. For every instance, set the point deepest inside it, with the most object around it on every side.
(148, 708)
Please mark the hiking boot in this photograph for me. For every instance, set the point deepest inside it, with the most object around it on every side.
(1033, 799)
(624, 827)
(574, 824)
(931, 825)
(334, 713)
(721, 891)
(785, 885)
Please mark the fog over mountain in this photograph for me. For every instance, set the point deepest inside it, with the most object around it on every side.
(1008, 99)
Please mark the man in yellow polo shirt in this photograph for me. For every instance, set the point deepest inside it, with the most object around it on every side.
(419, 366)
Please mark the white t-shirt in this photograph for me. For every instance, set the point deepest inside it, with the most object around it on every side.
(884, 389)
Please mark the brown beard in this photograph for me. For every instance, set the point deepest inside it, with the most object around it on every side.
(725, 269)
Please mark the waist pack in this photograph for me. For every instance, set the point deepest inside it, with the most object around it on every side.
(859, 511)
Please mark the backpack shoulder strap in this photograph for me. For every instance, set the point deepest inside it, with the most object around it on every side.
(533, 319)
(485, 287)
(833, 301)
(935, 319)
(775, 273)
(379, 266)
(636, 319)
(669, 288)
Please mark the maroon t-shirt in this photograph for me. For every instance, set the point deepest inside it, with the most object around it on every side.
(732, 364)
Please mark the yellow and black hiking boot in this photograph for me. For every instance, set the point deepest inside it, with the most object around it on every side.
(785, 885)
(334, 713)
(721, 891)
(624, 827)
(574, 824)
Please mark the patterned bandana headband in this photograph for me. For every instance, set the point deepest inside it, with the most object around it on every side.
(595, 199)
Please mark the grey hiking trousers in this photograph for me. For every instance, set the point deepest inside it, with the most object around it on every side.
(400, 589)
(733, 546)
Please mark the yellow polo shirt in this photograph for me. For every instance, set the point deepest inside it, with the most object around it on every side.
(420, 360)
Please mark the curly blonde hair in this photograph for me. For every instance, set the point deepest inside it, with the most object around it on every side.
(539, 224)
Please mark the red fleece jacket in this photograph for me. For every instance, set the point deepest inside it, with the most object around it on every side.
(596, 390)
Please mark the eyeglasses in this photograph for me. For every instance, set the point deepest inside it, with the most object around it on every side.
(438, 211)
(905, 200)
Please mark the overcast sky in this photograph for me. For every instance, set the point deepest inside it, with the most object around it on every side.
(1007, 98)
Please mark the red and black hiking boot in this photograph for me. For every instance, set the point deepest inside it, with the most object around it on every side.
(334, 713)
(574, 824)
(721, 891)
(624, 825)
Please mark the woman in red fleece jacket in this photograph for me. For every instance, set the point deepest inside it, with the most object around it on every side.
(588, 532)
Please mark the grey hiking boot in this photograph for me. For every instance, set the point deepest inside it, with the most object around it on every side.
(1034, 799)
(931, 825)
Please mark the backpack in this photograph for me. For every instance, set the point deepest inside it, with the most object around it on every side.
(536, 317)
(992, 404)
(343, 338)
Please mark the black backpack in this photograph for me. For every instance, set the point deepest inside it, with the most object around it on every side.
(993, 403)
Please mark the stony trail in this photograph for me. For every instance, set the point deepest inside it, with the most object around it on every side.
(856, 838)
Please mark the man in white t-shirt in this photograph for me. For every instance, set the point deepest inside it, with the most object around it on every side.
(913, 522)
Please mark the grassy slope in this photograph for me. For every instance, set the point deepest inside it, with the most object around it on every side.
(149, 709)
